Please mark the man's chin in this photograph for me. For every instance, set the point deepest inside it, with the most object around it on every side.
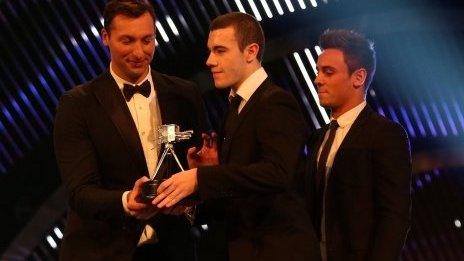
(137, 73)
(323, 104)
(220, 85)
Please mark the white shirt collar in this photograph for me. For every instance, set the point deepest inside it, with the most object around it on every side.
(249, 86)
(350, 116)
(120, 81)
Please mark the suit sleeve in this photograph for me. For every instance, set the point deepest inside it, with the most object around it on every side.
(280, 139)
(304, 179)
(392, 170)
(77, 161)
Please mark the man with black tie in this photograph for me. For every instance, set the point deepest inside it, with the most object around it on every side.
(106, 146)
(358, 181)
(249, 194)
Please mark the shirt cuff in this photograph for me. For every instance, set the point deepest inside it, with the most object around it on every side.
(124, 203)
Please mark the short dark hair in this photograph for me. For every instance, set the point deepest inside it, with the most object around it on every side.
(247, 29)
(358, 51)
(130, 8)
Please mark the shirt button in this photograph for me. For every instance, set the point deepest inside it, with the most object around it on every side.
(143, 133)
(140, 107)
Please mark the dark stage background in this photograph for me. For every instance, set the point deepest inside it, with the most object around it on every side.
(49, 46)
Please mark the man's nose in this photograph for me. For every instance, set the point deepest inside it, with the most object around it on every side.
(138, 50)
(211, 62)
(317, 81)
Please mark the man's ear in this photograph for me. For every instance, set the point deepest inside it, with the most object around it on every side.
(105, 36)
(251, 52)
(358, 77)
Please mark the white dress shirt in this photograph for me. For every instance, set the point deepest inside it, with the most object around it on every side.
(147, 118)
(345, 121)
(249, 86)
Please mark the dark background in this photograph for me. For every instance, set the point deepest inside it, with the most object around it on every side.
(47, 47)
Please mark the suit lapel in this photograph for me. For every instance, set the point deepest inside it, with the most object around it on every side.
(317, 146)
(167, 99)
(162, 95)
(254, 99)
(352, 136)
(112, 100)
(170, 111)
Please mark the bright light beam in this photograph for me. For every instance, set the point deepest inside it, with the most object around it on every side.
(266, 9)
(302, 4)
(172, 25)
(310, 85)
(162, 32)
(240, 6)
(51, 242)
(255, 10)
(311, 60)
(278, 7)
(313, 3)
(290, 6)
(58, 233)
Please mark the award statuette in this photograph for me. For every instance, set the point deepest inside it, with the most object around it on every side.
(167, 135)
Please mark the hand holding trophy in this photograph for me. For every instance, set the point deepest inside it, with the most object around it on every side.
(167, 135)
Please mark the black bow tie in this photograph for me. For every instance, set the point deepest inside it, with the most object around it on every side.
(129, 90)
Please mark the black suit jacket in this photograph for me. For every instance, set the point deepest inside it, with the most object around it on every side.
(367, 206)
(251, 194)
(100, 156)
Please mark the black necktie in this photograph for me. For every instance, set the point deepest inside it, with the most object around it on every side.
(129, 90)
(322, 169)
(232, 114)
(231, 120)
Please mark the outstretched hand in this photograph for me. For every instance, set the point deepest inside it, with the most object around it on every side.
(207, 155)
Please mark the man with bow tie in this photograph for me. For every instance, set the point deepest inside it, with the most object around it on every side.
(106, 146)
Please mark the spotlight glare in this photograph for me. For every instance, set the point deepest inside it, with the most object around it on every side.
(84, 36)
(74, 42)
(419, 123)
(172, 25)
(51, 242)
(162, 32)
(311, 60)
(457, 223)
(240, 6)
(94, 31)
(302, 4)
(266, 8)
(290, 6)
(311, 87)
(278, 7)
(255, 10)
(58, 233)
(313, 3)
(318, 49)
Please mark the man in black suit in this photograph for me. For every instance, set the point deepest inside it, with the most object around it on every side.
(106, 146)
(250, 193)
(358, 185)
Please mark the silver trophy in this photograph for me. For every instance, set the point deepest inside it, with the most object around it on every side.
(167, 135)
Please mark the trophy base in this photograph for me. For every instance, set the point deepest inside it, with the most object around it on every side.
(149, 188)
